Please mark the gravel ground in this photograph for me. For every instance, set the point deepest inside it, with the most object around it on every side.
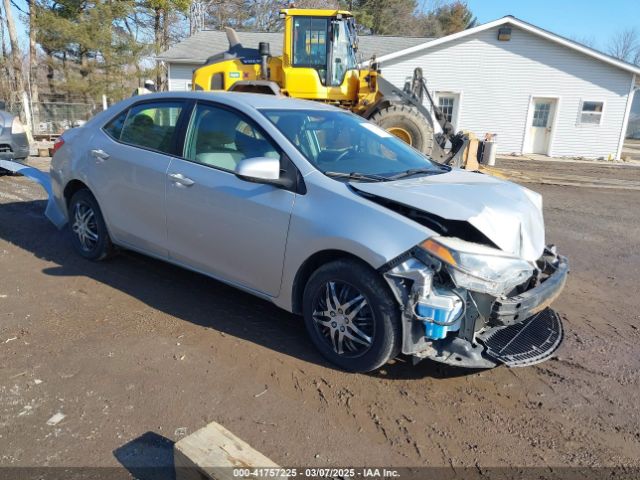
(101, 364)
(581, 173)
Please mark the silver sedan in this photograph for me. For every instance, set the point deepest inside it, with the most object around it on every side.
(380, 249)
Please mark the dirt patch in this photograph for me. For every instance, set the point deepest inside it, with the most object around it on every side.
(590, 174)
(98, 357)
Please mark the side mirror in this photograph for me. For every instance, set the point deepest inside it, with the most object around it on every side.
(259, 170)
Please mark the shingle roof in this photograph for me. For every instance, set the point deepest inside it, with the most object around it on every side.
(199, 47)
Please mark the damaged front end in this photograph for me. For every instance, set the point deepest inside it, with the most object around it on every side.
(475, 306)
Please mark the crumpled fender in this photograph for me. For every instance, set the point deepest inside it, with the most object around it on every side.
(506, 213)
(52, 212)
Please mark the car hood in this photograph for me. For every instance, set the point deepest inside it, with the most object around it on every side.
(507, 214)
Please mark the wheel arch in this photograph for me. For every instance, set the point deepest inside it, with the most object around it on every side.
(309, 266)
(72, 187)
(75, 185)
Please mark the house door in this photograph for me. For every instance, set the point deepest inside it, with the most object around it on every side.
(541, 125)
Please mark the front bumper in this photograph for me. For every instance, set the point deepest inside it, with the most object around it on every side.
(489, 325)
(518, 308)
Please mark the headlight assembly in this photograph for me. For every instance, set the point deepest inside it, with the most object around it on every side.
(477, 267)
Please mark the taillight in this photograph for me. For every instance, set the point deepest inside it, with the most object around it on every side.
(16, 126)
(56, 146)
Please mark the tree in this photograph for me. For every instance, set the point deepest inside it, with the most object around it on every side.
(162, 14)
(586, 40)
(264, 15)
(33, 61)
(5, 67)
(228, 13)
(625, 46)
(454, 17)
(90, 51)
(17, 75)
(404, 18)
(385, 17)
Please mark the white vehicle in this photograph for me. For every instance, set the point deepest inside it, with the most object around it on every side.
(382, 250)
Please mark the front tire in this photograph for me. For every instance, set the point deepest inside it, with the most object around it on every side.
(89, 235)
(351, 316)
(408, 124)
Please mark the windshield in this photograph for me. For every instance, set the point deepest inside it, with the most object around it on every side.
(343, 143)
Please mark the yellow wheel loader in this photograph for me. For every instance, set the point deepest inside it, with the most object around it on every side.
(319, 62)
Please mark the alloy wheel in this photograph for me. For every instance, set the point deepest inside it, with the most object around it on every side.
(84, 226)
(343, 317)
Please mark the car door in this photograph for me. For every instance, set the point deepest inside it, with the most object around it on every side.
(217, 223)
(129, 159)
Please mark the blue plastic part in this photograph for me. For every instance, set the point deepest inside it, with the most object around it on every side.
(432, 330)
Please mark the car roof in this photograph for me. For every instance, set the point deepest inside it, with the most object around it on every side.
(255, 100)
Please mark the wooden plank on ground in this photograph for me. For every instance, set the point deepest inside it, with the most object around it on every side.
(213, 452)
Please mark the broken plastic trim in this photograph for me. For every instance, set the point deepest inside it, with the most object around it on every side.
(52, 212)
(510, 310)
(409, 279)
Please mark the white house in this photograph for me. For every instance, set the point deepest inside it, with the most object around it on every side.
(539, 92)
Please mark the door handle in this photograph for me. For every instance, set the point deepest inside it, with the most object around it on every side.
(100, 154)
(181, 179)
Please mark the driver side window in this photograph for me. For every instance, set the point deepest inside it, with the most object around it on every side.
(221, 138)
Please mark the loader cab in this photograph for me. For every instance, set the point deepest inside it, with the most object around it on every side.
(320, 54)
(318, 61)
(326, 44)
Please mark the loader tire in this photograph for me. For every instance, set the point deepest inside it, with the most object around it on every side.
(408, 124)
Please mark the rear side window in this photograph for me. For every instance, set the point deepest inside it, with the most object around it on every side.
(114, 127)
(150, 125)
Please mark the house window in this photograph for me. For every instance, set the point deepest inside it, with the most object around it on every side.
(447, 104)
(591, 112)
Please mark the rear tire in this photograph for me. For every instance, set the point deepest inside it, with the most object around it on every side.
(352, 316)
(408, 124)
(89, 235)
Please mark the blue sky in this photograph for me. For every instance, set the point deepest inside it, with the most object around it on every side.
(593, 20)
(588, 21)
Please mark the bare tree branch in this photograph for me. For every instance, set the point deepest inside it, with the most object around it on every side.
(625, 44)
